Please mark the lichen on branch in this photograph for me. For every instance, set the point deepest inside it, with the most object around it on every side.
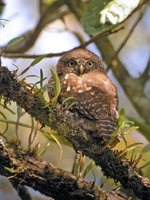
(65, 124)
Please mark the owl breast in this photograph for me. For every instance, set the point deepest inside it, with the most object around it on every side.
(73, 85)
(94, 92)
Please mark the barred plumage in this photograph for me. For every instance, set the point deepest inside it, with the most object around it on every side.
(82, 76)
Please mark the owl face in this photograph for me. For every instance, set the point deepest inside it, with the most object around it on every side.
(78, 62)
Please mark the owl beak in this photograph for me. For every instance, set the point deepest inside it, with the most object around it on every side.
(81, 69)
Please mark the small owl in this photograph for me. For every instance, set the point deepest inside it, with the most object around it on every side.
(83, 77)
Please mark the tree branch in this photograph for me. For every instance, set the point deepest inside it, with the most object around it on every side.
(30, 37)
(50, 55)
(146, 75)
(66, 125)
(132, 87)
(125, 40)
(23, 169)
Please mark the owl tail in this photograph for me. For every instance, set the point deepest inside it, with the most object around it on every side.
(105, 127)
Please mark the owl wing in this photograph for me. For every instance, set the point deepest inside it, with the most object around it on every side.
(99, 97)
(96, 100)
(98, 109)
(94, 104)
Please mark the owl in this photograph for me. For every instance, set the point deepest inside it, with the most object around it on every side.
(83, 77)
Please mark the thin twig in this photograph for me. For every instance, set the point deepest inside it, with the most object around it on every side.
(50, 55)
(146, 75)
(31, 36)
(125, 40)
(27, 170)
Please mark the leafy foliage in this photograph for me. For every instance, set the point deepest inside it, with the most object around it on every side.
(15, 41)
(57, 86)
(91, 18)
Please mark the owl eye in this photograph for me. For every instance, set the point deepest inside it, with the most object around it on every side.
(90, 64)
(71, 63)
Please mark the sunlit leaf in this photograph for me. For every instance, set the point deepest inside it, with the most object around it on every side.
(10, 110)
(89, 168)
(39, 82)
(69, 102)
(117, 11)
(50, 136)
(121, 120)
(20, 112)
(11, 170)
(133, 146)
(145, 149)
(44, 87)
(7, 124)
(75, 167)
(143, 166)
(104, 15)
(41, 77)
(124, 139)
(15, 41)
(57, 86)
(25, 70)
(49, 2)
(91, 17)
(143, 128)
(131, 129)
(37, 60)
(31, 76)
(44, 149)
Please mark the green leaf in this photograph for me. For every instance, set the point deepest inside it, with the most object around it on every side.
(143, 166)
(70, 101)
(41, 78)
(133, 128)
(51, 136)
(11, 170)
(31, 76)
(7, 124)
(132, 146)
(15, 41)
(57, 86)
(143, 128)
(24, 71)
(91, 18)
(145, 149)
(20, 112)
(11, 111)
(37, 60)
(33, 63)
(121, 120)
(129, 148)
(40, 81)
(88, 169)
(44, 149)
(49, 2)
(75, 167)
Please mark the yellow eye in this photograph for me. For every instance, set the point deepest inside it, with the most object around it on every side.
(90, 64)
(71, 63)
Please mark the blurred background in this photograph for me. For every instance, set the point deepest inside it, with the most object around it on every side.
(51, 26)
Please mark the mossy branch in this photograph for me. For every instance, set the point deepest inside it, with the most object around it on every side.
(65, 124)
(23, 169)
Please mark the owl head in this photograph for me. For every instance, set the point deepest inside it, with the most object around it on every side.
(79, 61)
